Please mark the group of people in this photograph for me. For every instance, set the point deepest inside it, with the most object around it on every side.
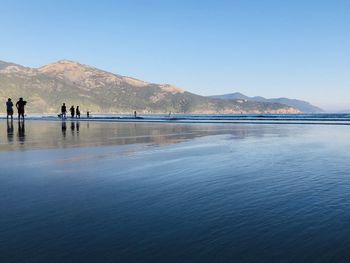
(20, 104)
(73, 112)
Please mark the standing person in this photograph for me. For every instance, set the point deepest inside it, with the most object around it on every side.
(88, 114)
(63, 111)
(78, 112)
(135, 114)
(72, 111)
(20, 107)
(9, 108)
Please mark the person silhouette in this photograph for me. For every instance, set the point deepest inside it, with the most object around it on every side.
(78, 112)
(20, 107)
(135, 114)
(63, 111)
(72, 111)
(9, 108)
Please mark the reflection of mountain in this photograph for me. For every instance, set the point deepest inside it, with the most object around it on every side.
(301, 105)
(44, 135)
(99, 91)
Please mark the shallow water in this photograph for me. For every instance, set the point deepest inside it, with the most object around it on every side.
(309, 118)
(124, 192)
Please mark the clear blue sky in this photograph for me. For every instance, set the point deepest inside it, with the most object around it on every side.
(298, 49)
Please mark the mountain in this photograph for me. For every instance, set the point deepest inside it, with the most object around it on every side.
(301, 105)
(99, 91)
(343, 111)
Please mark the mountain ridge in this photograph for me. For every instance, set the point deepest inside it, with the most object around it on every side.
(301, 105)
(98, 91)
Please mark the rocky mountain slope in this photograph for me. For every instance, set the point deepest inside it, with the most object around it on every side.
(98, 91)
(301, 105)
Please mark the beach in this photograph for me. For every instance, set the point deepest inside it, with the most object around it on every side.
(91, 191)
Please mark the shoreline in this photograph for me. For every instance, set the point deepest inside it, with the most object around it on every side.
(204, 119)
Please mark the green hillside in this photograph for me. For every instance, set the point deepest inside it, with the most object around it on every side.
(98, 91)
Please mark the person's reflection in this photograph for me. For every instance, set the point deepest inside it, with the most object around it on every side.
(78, 127)
(21, 132)
(10, 130)
(72, 127)
(64, 129)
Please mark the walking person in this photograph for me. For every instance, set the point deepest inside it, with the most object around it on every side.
(20, 107)
(9, 108)
(77, 112)
(72, 111)
(63, 111)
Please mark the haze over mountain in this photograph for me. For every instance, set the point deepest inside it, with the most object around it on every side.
(301, 105)
(98, 91)
(344, 111)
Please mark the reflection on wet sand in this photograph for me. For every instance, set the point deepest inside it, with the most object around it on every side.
(64, 129)
(72, 127)
(42, 135)
(21, 132)
(10, 130)
(10, 133)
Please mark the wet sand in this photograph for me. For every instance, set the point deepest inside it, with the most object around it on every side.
(146, 192)
(67, 134)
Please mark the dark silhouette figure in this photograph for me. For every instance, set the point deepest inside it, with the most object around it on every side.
(20, 107)
(64, 128)
(78, 112)
(78, 127)
(9, 109)
(21, 132)
(87, 114)
(72, 111)
(63, 111)
(135, 114)
(10, 130)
